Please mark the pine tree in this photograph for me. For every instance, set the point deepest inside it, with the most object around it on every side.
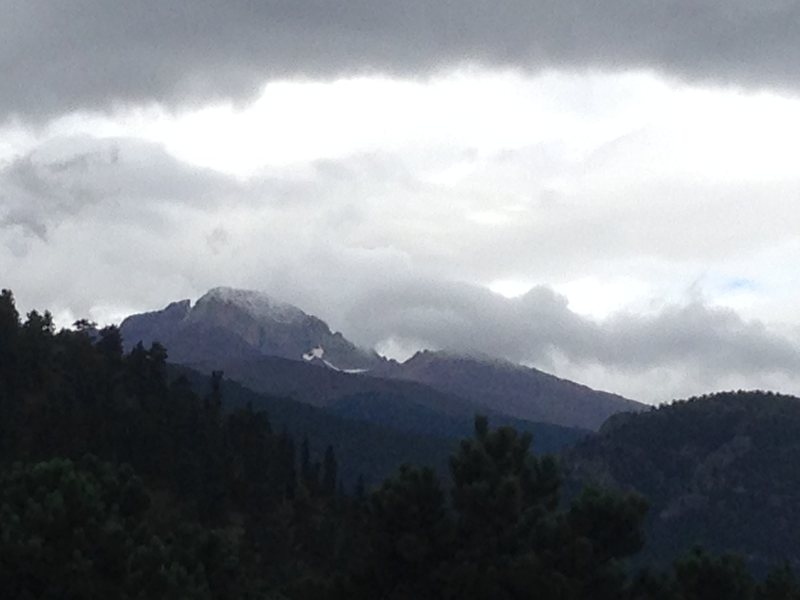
(329, 468)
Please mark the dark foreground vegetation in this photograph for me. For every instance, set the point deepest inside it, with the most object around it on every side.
(116, 482)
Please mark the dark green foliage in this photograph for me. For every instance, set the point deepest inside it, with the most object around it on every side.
(780, 584)
(502, 535)
(720, 471)
(208, 477)
(362, 449)
(192, 497)
(329, 470)
(700, 576)
(410, 535)
(611, 521)
(79, 532)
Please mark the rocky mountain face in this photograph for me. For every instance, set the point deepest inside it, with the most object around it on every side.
(275, 348)
(227, 324)
(720, 471)
(511, 389)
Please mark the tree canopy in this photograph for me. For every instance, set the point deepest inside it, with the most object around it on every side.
(119, 481)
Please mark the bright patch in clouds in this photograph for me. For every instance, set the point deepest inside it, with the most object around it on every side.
(600, 298)
(625, 194)
(510, 288)
(477, 111)
(614, 127)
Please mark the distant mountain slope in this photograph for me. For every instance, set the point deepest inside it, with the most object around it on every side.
(364, 449)
(324, 387)
(401, 405)
(720, 470)
(512, 389)
(245, 333)
(239, 324)
(394, 412)
(373, 448)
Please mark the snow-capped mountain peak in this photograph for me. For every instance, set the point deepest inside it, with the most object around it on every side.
(227, 323)
(314, 353)
(258, 304)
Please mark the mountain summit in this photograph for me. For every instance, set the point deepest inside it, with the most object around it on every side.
(250, 335)
(232, 324)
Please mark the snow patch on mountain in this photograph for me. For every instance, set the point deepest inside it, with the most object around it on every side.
(317, 355)
(330, 365)
(314, 353)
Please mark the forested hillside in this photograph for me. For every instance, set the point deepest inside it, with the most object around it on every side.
(415, 414)
(720, 470)
(119, 481)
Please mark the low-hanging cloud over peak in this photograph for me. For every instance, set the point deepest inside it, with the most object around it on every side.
(539, 325)
(58, 57)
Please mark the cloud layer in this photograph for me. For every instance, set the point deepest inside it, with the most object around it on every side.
(705, 344)
(57, 57)
(483, 143)
(100, 228)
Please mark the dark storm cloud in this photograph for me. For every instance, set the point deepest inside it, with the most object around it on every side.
(533, 327)
(60, 56)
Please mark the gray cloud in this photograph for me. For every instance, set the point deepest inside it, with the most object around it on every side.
(35, 192)
(65, 177)
(677, 351)
(101, 228)
(57, 57)
(535, 327)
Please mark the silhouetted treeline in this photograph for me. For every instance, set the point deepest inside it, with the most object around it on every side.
(116, 482)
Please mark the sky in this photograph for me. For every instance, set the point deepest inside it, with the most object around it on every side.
(607, 191)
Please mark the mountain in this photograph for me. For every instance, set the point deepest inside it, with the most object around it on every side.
(718, 470)
(404, 406)
(229, 324)
(276, 348)
(511, 389)
(363, 449)
(373, 447)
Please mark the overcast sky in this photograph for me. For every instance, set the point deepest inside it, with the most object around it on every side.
(606, 190)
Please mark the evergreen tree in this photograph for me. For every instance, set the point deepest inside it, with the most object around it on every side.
(700, 576)
(411, 536)
(329, 469)
(780, 584)
(215, 510)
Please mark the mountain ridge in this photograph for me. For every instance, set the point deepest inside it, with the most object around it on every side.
(243, 331)
(513, 389)
(226, 322)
